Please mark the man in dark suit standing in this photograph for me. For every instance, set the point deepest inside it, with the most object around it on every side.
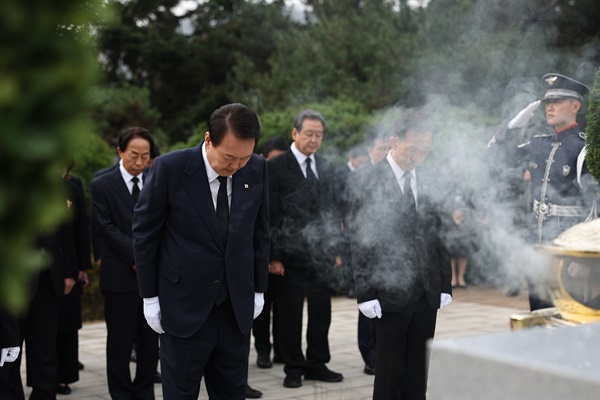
(305, 228)
(201, 231)
(401, 268)
(113, 197)
(39, 324)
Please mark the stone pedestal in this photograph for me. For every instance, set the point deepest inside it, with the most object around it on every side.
(538, 363)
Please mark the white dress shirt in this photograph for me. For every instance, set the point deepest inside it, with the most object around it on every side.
(127, 177)
(301, 158)
(213, 182)
(399, 174)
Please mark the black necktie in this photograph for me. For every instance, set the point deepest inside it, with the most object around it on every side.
(313, 182)
(408, 192)
(310, 175)
(223, 208)
(223, 219)
(135, 193)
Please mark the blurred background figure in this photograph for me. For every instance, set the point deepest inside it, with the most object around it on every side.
(378, 144)
(69, 320)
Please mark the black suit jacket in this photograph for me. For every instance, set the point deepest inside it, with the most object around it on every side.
(304, 231)
(70, 305)
(113, 207)
(397, 253)
(94, 226)
(56, 246)
(9, 330)
(178, 248)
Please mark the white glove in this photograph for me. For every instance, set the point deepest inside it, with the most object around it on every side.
(524, 115)
(370, 309)
(152, 314)
(259, 303)
(9, 354)
(445, 299)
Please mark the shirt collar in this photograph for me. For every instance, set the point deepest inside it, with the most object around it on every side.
(398, 172)
(301, 157)
(126, 175)
(210, 172)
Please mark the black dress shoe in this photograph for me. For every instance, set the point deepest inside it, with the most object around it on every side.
(252, 393)
(80, 366)
(60, 389)
(323, 374)
(157, 377)
(292, 381)
(263, 361)
(369, 369)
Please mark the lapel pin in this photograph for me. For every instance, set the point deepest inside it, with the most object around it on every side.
(245, 186)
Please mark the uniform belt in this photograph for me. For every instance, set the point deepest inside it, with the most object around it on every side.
(553, 210)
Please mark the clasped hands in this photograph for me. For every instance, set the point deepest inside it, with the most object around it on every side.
(153, 318)
(372, 308)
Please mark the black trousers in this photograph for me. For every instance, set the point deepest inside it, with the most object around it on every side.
(40, 328)
(401, 363)
(261, 328)
(67, 350)
(125, 323)
(218, 352)
(366, 339)
(295, 285)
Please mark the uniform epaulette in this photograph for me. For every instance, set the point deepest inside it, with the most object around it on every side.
(523, 144)
(543, 135)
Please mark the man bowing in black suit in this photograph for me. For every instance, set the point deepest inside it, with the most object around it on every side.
(305, 227)
(201, 231)
(401, 268)
(113, 197)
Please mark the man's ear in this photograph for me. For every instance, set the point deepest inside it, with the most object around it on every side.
(393, 142)
(576, 106)
(294, 133)
(207, 137)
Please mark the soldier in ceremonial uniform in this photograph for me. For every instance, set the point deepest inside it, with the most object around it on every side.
(554, 163)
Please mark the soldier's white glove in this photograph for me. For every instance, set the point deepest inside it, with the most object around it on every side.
(370, 309)
(9, 354)
(152, 314)
(524, 115)
(259, 303)
(445, 299)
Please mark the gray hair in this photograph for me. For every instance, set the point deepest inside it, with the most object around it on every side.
(414, 121)
(307, 114)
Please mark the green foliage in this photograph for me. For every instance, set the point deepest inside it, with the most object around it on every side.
(592, 157)
(360, 51)
(487, 51)
(345, 125)
(93, 154)
(47, 67)
(116, 108)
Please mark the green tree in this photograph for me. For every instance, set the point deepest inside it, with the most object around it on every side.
(115, 108)
(485, 52)
(592, 157)
(189, 72)
(348, 49)
(48, 66)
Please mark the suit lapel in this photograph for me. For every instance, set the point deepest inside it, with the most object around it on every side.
(196, 185)
(120, 188)
(240, 188)
(293, 166)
